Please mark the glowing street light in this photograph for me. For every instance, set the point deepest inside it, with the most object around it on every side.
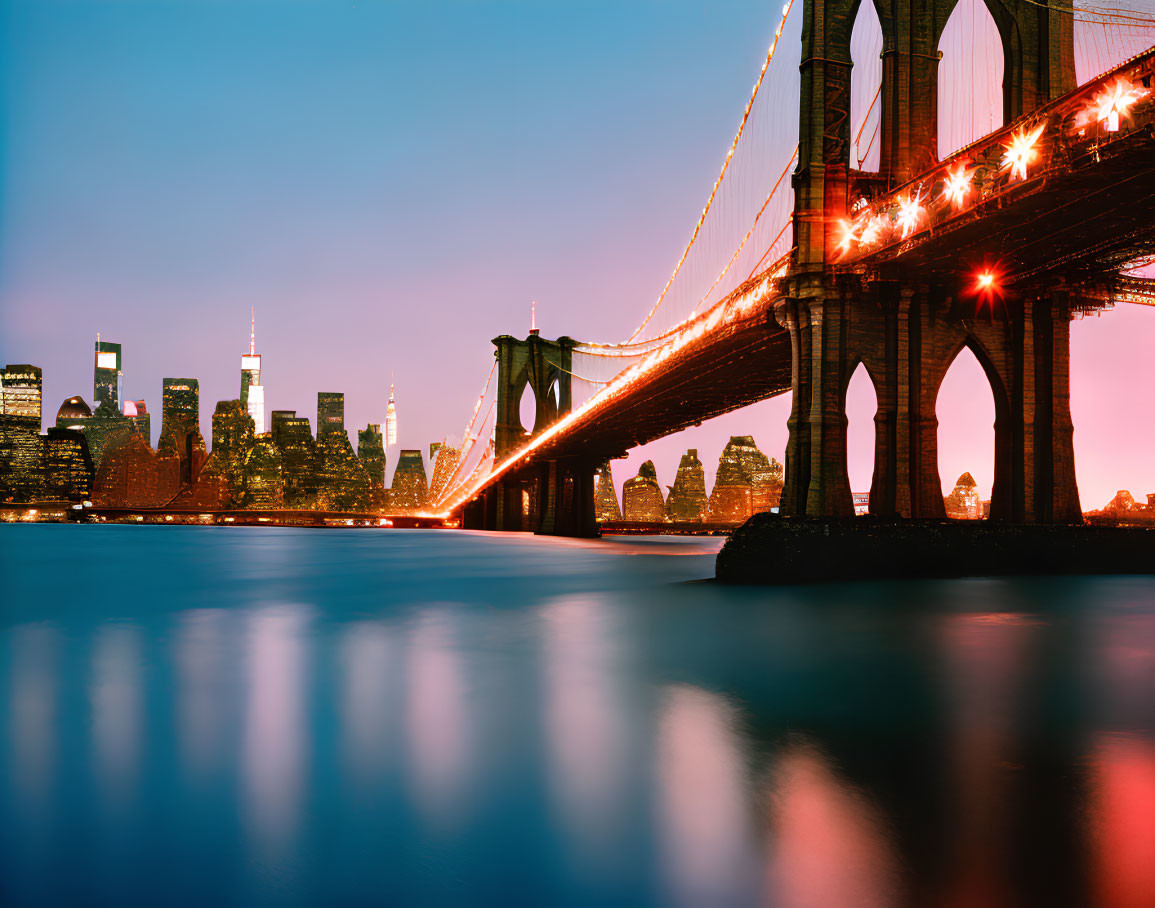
(1021, 151)
(909, 212)
(958, 186)
(1115, 102)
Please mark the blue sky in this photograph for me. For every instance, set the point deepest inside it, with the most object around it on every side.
(389, 183)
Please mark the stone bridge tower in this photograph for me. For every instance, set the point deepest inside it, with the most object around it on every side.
(544, 368)
(907, 327)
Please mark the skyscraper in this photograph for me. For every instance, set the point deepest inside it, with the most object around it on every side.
(180, 434)
(21, 448)
(330, 412)
(642, 496)
(371, 450)
(106, 376)
(605, 496)
(390, 421)
(410, 487)
(252, 391)
(687, 499)
(445, 464)
(342, 481)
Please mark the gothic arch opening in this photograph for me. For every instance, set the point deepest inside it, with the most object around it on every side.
(865, 87)
(861, 407)
(965, 408)
(527, 408)
(970, 77)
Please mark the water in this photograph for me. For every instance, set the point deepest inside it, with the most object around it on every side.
(194, 716)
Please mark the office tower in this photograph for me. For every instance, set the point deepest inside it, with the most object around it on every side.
(963, 502)
(605, 495)
(330, 412)
(687, 501)
(410, 488)
(106, 377)
(293, 437)
(264, 476)
(342, 480)
(371, 451)
(72, 413)
(642, 496)
(68, 468)
(129, 475)
(232, 439)
(136, 412)
(390, 421)
(180, 434)
(252, 391)
(21, 449)
(746, 482)
(446, 459)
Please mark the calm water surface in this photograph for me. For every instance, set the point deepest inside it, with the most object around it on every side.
(193, 716)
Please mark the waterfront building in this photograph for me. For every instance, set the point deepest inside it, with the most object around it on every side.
(293, 437)
(642, 496)
(410, 487)
(342, 480)
(130, 476)
(180, 434)
(232, 439)
(264, 483)
(963, 502)
(605, 495)
(252, 391)
(687, 501)
(68, 469)
(446, 459)
(371, 451)
(21, 448)
(746, 483)
(106, 376)
(390, 421)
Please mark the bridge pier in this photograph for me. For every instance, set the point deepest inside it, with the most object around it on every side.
(567, 498)
(907, 337)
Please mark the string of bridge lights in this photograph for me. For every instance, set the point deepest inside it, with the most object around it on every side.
(875, 225)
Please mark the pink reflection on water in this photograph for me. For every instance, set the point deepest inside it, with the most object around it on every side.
(985, 658)
(436, 717)
(32, 714)
(828, 841)
(586, 727)
(275, 744)
(368, 653)
(705, 820)
(115, 694)
(201, 690)
(1123, 821)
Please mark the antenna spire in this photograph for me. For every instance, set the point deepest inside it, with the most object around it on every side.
(533, 316)
(253, 331)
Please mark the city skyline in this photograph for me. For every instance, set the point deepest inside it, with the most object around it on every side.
(217, 179)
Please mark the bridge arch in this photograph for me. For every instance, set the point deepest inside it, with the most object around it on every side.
(970, 76)
(860, 406)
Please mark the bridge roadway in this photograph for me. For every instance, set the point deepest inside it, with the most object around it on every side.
(1086, 207)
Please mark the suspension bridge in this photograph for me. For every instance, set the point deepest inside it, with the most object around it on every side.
(840, 236)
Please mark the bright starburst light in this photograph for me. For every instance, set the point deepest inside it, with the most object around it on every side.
(909, 212)
(1114, 103)
(1021, 152)
(958, 186)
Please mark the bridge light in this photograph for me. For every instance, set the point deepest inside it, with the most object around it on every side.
(872, 231)
(985, 282)
(1021, 152)
(1114, 103)
(909, 212)
(958, 186)
(848, 235)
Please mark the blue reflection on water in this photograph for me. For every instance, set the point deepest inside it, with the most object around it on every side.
(248, 716)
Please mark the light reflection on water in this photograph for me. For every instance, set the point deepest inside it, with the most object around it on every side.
(281, 717)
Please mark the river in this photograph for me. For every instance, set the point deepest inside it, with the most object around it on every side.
(249, 716)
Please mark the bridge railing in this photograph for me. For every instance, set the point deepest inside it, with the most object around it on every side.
(1006, 162)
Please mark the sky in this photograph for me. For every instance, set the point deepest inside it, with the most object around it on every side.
(389, 183)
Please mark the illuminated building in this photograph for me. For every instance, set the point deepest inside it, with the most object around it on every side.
(21, 449)
(963, 502)
(293, 436)
(136, 413)
(746, 482)
(410, 487)
(252, 391)
(180, 434)
(642, 496)
(605, 495)
(391, 421)
(687, 499)
(371, 450)
(264, 475)
(232, 439)
(68, 468)
(342, 480)
(71, 412)
(445, 465)
(129, 475)
(106, 376)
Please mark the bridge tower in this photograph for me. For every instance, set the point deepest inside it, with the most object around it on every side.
(554, 497)
(904, 326)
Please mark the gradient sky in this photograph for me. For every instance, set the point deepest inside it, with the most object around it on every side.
(389, 183)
